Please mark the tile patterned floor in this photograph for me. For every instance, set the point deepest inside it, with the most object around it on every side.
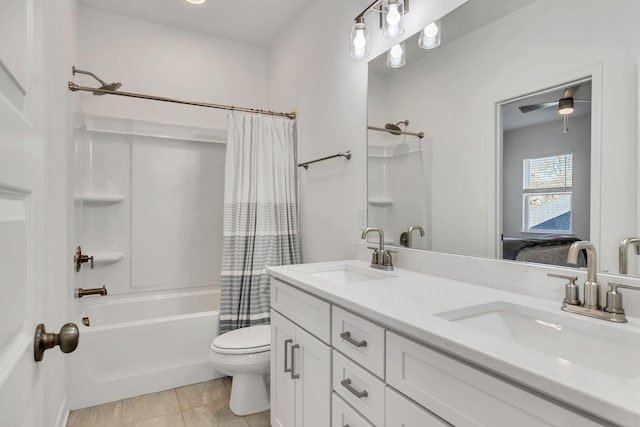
(197, 405)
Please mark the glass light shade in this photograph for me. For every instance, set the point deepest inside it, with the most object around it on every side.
(430, 36)
(392, 18)
(396, 56)
(359, 40)
(565, 106)
(196, 1)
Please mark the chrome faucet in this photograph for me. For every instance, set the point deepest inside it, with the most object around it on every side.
(591, 286)
(380, 258)
(613, 310)
(410, 232)
(623, 258)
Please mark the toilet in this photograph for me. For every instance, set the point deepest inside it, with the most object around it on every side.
(244, 354)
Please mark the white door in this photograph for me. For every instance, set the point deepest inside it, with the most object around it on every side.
(21, 281)
(21, 213)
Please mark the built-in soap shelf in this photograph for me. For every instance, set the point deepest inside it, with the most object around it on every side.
(107, 257)
(380, 201)
(100, 198)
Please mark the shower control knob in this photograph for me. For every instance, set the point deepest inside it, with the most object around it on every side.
(67, 339)
(79, 258)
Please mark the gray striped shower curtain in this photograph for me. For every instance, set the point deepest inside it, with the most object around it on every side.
(260, 215)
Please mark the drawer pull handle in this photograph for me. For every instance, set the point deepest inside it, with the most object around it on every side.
(359, 394)
(286, 355)
(293, 362)
(347, 337)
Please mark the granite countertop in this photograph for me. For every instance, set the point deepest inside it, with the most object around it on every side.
(412, 303)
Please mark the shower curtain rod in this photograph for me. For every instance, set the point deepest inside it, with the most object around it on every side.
(74, 87)
(397, 132)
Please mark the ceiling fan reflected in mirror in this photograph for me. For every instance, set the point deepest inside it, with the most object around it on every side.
(565, 105)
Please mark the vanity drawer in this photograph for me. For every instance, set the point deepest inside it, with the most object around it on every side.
(349, 380)
(345, 415)
(309, 312)
(401, 412)
(466, 396)
(359, 339)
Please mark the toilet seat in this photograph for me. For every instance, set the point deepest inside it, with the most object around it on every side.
(253, 339)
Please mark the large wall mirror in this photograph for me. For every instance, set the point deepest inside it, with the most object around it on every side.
(474, 150)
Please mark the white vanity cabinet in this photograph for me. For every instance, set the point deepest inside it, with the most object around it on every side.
(300, 362)
(357, 372)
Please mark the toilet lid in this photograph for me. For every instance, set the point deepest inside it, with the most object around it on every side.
(253, 339)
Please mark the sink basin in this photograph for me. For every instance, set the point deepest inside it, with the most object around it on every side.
(346, 274)
(610, 350)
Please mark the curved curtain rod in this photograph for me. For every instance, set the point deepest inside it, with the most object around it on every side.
(75, 87)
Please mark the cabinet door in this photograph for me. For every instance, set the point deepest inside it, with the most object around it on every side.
(312, 361)
(282, 385)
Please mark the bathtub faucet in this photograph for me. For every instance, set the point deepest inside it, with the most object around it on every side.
(79, 292)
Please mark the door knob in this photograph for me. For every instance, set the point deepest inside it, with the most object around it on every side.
(67, 339)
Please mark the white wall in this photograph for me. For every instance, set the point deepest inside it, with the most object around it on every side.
(539, 141)
(449, 92)
(312, 73)
(165, 61)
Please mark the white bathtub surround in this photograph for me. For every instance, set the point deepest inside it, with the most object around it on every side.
(122, 200)
(411, 304)
(260, 214)
(142, 343)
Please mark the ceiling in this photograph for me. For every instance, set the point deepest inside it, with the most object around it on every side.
(513, 118)
(257, 22)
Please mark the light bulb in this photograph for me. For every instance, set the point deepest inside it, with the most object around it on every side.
(395, 56)
(392, 13)
(359, 35)
(431, 30)
(393, 16)
(430, 36)
(359, 42)
(396, 52)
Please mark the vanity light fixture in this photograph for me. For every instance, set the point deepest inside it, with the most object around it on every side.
(359, 39)
(430, 36)
(392, 17)
(396, 56)
(391, 22)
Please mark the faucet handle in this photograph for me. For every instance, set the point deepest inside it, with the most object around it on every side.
(614, 298)
(571, 290)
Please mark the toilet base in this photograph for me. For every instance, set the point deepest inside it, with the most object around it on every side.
(249, 394)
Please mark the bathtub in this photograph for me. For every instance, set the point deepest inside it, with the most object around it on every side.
(141, 343)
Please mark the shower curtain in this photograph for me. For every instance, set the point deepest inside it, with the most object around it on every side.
(260, 215)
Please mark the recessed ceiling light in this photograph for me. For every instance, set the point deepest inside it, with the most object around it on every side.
(196, 1)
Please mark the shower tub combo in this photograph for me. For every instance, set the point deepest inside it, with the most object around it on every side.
(144, 343)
